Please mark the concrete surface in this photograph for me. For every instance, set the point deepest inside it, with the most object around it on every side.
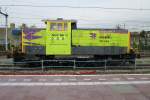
(74, 87)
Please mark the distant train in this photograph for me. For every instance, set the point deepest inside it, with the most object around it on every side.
(61, 39)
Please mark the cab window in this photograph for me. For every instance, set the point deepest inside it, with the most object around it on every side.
(60, 27)
(53, 26)
(65, 26)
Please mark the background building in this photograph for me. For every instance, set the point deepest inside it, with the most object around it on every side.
(13, 36)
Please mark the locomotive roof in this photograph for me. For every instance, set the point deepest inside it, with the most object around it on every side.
(111, 30)
(59, 20)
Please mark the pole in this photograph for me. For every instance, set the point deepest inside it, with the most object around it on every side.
(105, 67)
(135, 65)
(42, 65)
(6, 38)
(74, 62)
(124, 26)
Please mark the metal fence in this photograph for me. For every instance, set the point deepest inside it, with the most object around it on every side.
(72, 64)
(45, 65)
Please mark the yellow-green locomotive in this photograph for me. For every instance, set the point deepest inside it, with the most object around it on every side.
(61, 39)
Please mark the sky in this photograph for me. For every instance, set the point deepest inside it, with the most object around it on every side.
(131, 16)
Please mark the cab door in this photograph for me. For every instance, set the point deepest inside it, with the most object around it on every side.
(58, 39)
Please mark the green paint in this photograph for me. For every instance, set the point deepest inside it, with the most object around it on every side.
(99, 38)
(58, 42)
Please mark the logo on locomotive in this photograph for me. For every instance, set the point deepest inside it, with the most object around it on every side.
(93, 35)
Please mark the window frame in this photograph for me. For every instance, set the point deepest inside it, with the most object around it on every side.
(57, 23)
(62, 26)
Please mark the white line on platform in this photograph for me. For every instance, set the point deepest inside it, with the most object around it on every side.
(27, 80)
(87, 79)
(72, 79)
(42, 80)
(116, 79)
(57, 79)
(130, 78)
(74, 83)
(11, 80)
(102, 79)
(144, 78)
(83, 75)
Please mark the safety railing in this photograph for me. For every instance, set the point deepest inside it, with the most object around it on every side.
(74, 64)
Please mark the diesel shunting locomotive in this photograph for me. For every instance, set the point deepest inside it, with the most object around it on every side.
(61, 39)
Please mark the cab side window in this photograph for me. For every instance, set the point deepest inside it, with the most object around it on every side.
(53, 26)
(65, 26)
(58, 27)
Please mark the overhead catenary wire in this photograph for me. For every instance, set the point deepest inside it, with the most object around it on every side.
(41, 18)
(38, 18)
(77, 7)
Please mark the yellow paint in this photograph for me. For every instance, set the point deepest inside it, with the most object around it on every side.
(22, 43)
(129, 39)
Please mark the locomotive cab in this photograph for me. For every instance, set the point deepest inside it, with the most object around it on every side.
(58, 36)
